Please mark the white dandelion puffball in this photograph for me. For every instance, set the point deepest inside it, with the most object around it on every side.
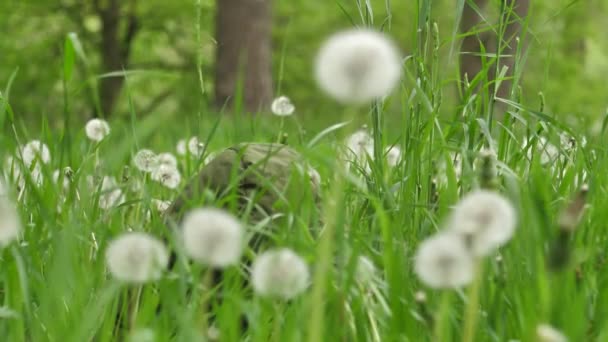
(136, 257)
(181, 147)
(547, 333)
(393, 155)
(195, 147)
(167, 159)
(443, 261)
(160, 205)
(359, 65)
(97, 129)
(279, 273)
(360, 146)
(35, 150)
(213, 237)
(167, 175)
(145, 160)
(57, 174)
(282, 106)
(365, 272)
(486, 220)
(10, 224)
(110, 195)
(547, 152)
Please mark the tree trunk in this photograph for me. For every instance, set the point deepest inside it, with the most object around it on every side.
(470, 63)
(509, 44)
(115, 49)
(243, 34)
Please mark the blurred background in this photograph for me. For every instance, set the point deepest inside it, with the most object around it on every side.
(181, 58)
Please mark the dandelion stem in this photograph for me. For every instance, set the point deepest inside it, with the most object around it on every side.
(207, 278)
(324, 257)
(135, 308)
(472, 307)
(441, 317)
(276, 333)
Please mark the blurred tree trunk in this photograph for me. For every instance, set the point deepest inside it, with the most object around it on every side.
(470, 62)
(243, 34)
(115, 48)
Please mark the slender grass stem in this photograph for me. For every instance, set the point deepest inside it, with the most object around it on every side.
(440, 323)
(472, 307)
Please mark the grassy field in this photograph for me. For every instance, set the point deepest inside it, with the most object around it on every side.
(55, 282)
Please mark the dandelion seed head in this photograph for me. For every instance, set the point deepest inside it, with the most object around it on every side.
(365, 271)
(547, 333)
(393, 155)
(279, 273)
(146, 160)
(486, 220)
(57, 174)
(35, 150)
(160, 205)
(359, 65)
(282, 106)
(212, 237)
(136, 257)
(167, 175)
(420, 297)
(97, 129)
(167, 159)
(360, 147)
(196, 147)
(443, 261)
(110, 193)
(10, 224)
(181, 147)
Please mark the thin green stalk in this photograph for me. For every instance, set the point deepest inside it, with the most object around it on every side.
(440, 324)
(472, 307)
(204, 308)
(324, 258)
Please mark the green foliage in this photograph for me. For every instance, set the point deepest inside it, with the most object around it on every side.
(54, 283)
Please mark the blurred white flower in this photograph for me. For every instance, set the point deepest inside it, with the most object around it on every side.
(160, 205)
(282, 106)
(111, 195)
(196, 147)
(14, 173)
(167, 159)
(213, 237)
(10, 224)
(393, 155)
(443, 261)
(547, 333)
(420, 296)
(360, 147)
(442, 176)
(34, 150)
(146, 160)
(549, 153)
(167, 175)
(279, 273)
(365, 272)
(485, 219)
(358, 65)
(97, 129)
(57, 174)
(136, 257)
(181, 147)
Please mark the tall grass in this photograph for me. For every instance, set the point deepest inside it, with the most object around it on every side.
(54, 284)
